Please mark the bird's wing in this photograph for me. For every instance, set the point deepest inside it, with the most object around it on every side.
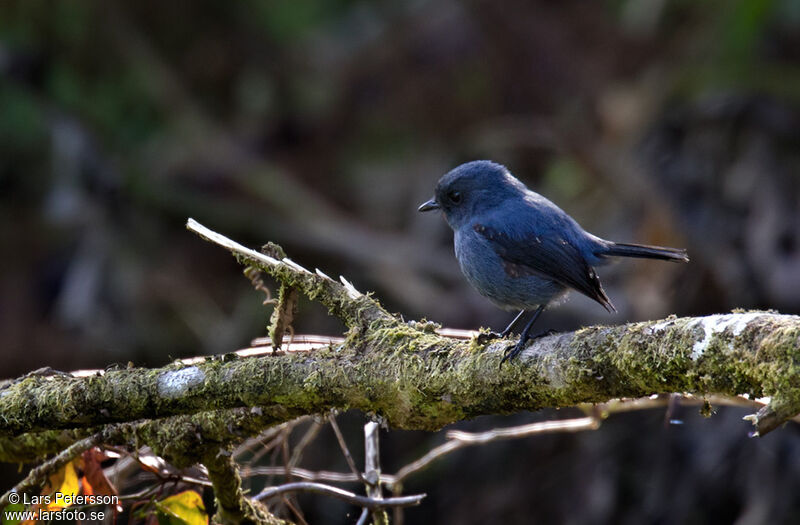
(548, 256)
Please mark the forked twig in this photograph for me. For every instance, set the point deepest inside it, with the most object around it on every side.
(459, 439)
(355, 499)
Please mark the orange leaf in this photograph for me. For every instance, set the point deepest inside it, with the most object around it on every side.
(94, 479)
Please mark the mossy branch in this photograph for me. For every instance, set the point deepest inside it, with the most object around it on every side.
(418, 379)
(232, 506)
(36, 445)
(176, 439)
(341, 298)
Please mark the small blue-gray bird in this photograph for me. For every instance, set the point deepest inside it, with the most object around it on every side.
(519, 249)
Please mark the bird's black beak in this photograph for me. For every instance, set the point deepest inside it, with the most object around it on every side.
(428, 206)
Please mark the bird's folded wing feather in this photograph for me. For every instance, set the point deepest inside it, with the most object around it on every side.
(548, 256)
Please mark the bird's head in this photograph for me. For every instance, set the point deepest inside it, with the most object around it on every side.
(472, 189)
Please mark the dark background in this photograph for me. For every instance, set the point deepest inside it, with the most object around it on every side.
(322, 125)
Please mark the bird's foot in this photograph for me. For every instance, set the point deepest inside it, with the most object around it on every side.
(513, 350)
(485, 337)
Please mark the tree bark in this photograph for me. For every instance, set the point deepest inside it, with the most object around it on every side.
(414, 378)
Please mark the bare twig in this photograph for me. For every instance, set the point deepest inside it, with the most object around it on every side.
(295, 510)
(268, 440)
(347, 456)
(458, 439)
(429, 457)
(283, 451)
(285, 454)
(311, 434)
(355, 499)
(372, 461)
(142, 494)
(314, 341)
(541, 427)
(309, 475)
(362, 520)
(372, 470)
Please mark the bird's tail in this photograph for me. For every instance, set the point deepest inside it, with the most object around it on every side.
(646, 252)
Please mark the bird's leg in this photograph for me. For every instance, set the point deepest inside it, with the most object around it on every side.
(524, 337)
(513, 323)
(485, 338)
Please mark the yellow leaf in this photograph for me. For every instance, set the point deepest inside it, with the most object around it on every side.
(186, 507)
(68, 487)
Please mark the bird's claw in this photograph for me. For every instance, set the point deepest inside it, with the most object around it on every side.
(513, 350)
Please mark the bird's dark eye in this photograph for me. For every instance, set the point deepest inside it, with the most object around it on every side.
(454, 196)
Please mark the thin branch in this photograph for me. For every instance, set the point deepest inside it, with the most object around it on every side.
(372, 462)
(295, 510)
(35, 446)
(347, 456)
(341, 298)
(264, 442)
(309, 436)
(372, 470)
(458, 439)
(282, 450)
(429, 457)
(355, 499)
(142, 494)
(146, 476)
(542, 427)
(37, 477)
(306, 474)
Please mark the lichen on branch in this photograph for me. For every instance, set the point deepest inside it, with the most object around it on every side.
(415, 378)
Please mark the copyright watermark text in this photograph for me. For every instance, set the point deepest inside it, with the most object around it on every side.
(52, 502)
